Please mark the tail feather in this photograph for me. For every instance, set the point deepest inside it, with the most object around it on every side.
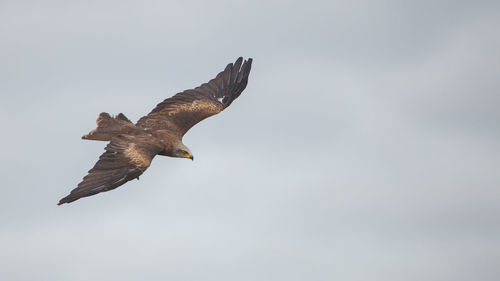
(109, 127)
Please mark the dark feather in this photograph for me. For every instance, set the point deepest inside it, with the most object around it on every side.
(126, 158)
(182, 111)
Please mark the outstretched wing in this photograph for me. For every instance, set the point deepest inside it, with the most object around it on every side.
(182, 111)
(126, 158)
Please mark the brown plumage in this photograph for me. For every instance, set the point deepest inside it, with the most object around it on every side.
(132, 147)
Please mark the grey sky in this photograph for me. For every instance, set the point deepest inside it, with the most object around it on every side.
(365, 147)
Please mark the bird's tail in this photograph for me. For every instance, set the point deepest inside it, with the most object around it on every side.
(109, 127)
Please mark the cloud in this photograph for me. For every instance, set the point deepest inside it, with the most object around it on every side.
(364, 147)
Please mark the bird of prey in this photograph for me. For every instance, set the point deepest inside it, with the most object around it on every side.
(132, 147)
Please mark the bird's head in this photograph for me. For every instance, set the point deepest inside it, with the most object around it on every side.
(182, 151)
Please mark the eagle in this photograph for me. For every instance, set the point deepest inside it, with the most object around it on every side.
(132, 147)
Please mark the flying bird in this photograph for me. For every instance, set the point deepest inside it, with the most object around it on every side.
(132, 147)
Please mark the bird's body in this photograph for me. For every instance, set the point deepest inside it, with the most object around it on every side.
(132, 147)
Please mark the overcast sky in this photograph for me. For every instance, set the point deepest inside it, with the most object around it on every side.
(365, 147)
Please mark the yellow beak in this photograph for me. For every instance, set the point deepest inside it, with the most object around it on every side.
(190, 156)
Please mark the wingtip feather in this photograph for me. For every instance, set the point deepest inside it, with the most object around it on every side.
(63, 201)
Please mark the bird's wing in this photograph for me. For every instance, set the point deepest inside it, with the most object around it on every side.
(182, 111)
(126, 158)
